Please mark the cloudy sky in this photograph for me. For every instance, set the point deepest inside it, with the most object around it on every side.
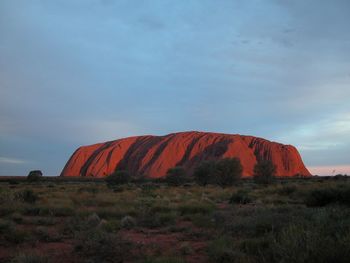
(76, 72)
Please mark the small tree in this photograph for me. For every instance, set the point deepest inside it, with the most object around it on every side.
(27, 195)
(228, 171)
(205, 172)
(34, 176)
(176, 176)
(264, 172)
(117, 178)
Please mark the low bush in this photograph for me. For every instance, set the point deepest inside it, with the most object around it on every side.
(264, 172)
(15, 235)
(118, 178)
(34, 176)
(93, 220)
(196, 208)
(224, 172)
(163, 259)
(26, 195)
(6, 226)
(62, 210)
(127, 222)
(287, 189)
(42, 221)
(241, 197)
(258, 247)
(315, 243)
(17, 218)
(44, 234)
(228, 171)
(204, 173)
(112, 226)
(221, 250)
(99, 246)
(30, 258)
(200, 220)
(330, 195)
(91, 189)
(176, 176)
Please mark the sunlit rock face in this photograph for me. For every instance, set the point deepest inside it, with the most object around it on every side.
(154, 155)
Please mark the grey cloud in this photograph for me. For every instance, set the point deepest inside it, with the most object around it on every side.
(75, 72)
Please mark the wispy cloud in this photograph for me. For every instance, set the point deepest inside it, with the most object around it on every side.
(6, 160)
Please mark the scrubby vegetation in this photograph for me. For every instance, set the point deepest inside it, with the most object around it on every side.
(34, 176)
(204, 173)
(224, 172)
(118, 178)
(264, 172)
(176, 176)
(287, 220)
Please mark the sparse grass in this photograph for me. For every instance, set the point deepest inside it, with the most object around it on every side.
(44, 234)
(196, 208)
(221, 250)
(328, 195)
(241, 197)
(172, 259)
(30, 258)
(291, 220)
(100, 246)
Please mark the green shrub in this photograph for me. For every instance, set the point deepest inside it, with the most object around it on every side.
(127, 222)
(6, 227)
(224, 172)
(17, 218)
(56, 210)
(91, 189)
(264, 172)
(43, 234)
(287, 189)
(176, 176)
(312, 243)
(228, 171)
(34, 176)
(200, 220)
(325, 196)
(16, 236)
(13, 182)
(221, 250)
(166, 219)
(148, 189)
(93, 220)
(194, 208)
(6, 209)
(43, 221)
(259, 247)
(118, 178)
(205, 173)
(257, 222)
(150, 219)
(26, 195)
(29, 258)
(241, 197)
(164, 260)
(100, 246)
(112, 226)
(32, 210)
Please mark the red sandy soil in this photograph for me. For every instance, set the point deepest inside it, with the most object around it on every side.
(150, 242)
(161, 241)
(154, 155)
(57, 251)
